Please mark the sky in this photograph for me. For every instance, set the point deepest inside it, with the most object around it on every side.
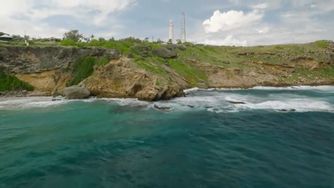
(216, 22)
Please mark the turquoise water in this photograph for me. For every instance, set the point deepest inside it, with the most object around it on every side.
(262, 137)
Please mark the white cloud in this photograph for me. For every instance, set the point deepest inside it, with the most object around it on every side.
(102, 8)
(263, 30)
(18, 16)
(231, 20)
(271, 22)
(260, 6)
(228, 41)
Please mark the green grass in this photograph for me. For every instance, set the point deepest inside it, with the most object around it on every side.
(125, 46)
(322, 73)
(322, 43)
(190, 73)
(84, 67)
(11, 83)
(223, 56)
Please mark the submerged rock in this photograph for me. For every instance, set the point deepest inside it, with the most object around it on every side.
(76, 92)
(162, 108)
(235, 102)
(287, 110)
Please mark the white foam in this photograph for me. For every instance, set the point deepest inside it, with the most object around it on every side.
(298, 105)
(191, 90)
(217, 101)
(220, 101)
(29, 102)
(302, 87)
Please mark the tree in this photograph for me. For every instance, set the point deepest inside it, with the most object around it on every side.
(26, 37)
(73, 35)
(17, 38)
(101, 39)
(159, 41)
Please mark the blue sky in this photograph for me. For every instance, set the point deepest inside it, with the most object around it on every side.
(219, 22)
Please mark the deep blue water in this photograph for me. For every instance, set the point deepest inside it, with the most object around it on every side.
(278, 138)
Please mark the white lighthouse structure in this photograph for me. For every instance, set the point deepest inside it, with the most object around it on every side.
(183, 28)
(171, 31)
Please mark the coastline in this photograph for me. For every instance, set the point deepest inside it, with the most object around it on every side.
(36, 94)
(151, 76)
(214, 100)
(19, 94)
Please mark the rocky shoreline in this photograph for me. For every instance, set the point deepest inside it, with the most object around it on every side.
(24, 93)
(51, 70)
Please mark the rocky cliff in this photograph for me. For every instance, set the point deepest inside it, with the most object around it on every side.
(49, 70)
(123, 78)
(156, 76)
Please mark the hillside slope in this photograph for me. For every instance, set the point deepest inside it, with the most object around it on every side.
(152, 71)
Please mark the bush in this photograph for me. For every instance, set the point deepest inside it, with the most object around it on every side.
(84, 68)
(68, 42)
(11, 83)
(73, 35)
(322, 43)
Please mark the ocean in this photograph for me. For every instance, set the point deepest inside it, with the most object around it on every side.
(253, 138)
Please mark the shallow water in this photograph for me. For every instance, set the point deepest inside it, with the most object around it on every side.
(262, 137)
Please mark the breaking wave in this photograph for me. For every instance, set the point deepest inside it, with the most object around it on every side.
(283, 99)
(28, 102)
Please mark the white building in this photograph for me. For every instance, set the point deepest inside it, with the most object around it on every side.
(171, 31)
(5, 37)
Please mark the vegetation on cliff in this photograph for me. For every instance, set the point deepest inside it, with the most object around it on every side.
(157, 70)
(190, 58)
(84, 67)
(11, 83)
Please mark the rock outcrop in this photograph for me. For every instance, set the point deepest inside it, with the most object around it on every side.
(159, 73)
(165, 53)
(47, 69)
(76, 92)
(28, 60)
(122, 78)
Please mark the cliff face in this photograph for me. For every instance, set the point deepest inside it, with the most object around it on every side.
(50, 69)
(47, 69)
(264, 74)
(26, 60)
(122, 78)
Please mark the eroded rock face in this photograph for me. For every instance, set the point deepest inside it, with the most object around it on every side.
(47, 69)
(122, 78)
(48, 82)
(28, 60)
(76, 92)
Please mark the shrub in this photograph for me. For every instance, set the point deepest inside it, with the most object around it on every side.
(322, 43)
(11, 83)
(68, 42)
(73, 35)
(84, 67)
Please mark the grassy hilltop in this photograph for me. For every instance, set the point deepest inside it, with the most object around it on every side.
(197, 65)
(222, 56)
